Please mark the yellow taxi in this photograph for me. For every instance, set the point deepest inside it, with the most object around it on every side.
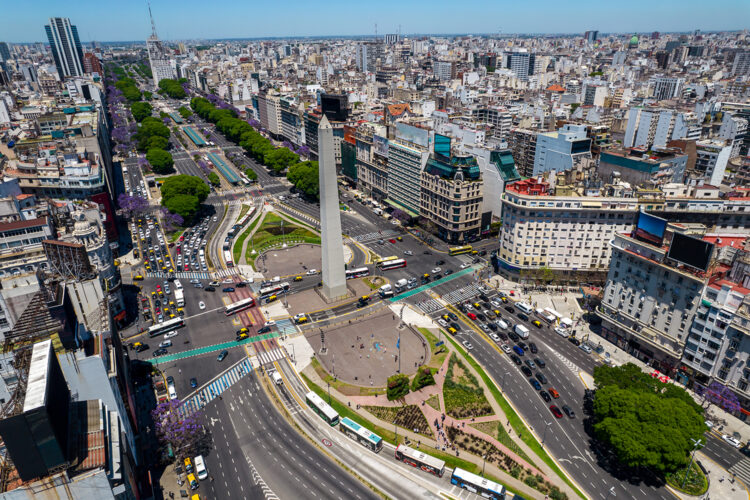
(241, 336)
(400, 238)
(192, 481)
(188, 465)
(537, 323)
(451, 330)
(474, 252)
(477, 306)
(137, 277)
(180, 311)
(504, 299)
(446, 317)
(297, 278)
(272, 298)
(242, 330)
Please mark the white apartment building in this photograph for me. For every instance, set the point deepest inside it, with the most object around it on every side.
(711, 161)
(561, 150)
(655, 127)
(568, 234)
(269, 109)
(667, 87)
(733, 129)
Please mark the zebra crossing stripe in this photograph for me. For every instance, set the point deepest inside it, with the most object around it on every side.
(216, 387)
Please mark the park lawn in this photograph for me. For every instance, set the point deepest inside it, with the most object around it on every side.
(241, 238)
(439, 353)
(408, 417)
(389, 436)
(434, 401)
(515, 421)
(695, 485)
(266, 236)
(462, 394)
(343, 387)
(496, 429)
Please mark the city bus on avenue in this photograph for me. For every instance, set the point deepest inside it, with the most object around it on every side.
(274, 289)
(322, 408)
(460, 250)
(382, 260)
(420, 460)
(477, 484)
(167, 326)
(357, 273)
(393, 264)
(238, 306)
(361, 435)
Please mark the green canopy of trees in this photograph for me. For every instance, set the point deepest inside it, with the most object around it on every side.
(160, 160)
(158, 142)
(129, 89)
(304, 176)
(250, 173)
(213, 178)
(280, 159)
(183, 204)
(184, 112)
(183, 194)
(147, 95)
(172, 88)
(150, 127)
(645, 422)
(140, 110)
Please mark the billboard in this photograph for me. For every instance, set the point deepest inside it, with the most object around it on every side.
(650, 229)
(690, 251)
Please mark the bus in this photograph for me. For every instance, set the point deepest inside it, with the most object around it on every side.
(228, 258)
(357, 273)
(322, 408)
(361, 435)
(273, 289)
(238, 306)
(382, 260)
(421, 460)
(243, 220)
(393, 264)
(167, 326)
(477, 484)
(460, 250)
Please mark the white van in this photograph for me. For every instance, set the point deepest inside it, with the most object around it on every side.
(172, 392)
(521, 331)
(523, 306)
(276, 378)
(501, 324)
(200, 467)
(177, 284)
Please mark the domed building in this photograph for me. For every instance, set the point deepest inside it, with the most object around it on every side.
(633, 42)
(91, 234)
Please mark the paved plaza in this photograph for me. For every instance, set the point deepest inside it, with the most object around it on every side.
(290, 261)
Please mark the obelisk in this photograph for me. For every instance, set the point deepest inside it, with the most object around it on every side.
(332, 245)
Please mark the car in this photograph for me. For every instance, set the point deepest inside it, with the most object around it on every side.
(222, 355)
(241, 284)
(228, 289)
(545, 396)
(555, 411)
(270, 322)
(210, 289)
(436, 270)
(495, 303)
(297, 278)
(518, 350)
(731, 440)
(456, 326)
(530, 364)
(563, 332)
(533, 348)
(171, 334)
(241, 336)
(472, 316)
(553, 393)
(526, 371)
(494, 337)
(535, 384)
(537, 323)
(159, 352)
(492, 326)
(510, 309)
(541, 378)
(193, 383)
(484, 328)
(574, 341)
(391, 241)
(515, 359)
(439, 262)
(381, 242)
(140, 347)
(505, 348)
(468, 345)
(540, 362)
(569, 411)
(448, 272)
(312, 272)
(468, 307)
(446, 317)
(464, 266)
(408, 252)
(522, 345)
(585, 348)
(442, 322)
(522, 316)
(265, 329)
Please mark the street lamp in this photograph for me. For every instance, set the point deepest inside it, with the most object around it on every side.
(484, 461)
(696, 445)
(611, 492)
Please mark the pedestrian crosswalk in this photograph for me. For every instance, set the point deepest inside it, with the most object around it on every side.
(268, 357)
(571, 366)
(226, 203)
(376, 235)
(224, 273)
(286, 327)
(429, 305)
(216, 387)
(299, 214)
(742, 470)
(461, 294)
(180, 275)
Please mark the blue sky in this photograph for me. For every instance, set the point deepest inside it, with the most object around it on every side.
(108, 20)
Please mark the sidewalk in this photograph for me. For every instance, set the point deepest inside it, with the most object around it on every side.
(721, 485)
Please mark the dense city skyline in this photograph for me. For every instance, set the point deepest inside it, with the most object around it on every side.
(192, 20)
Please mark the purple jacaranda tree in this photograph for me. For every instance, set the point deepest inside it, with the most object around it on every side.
(254, 123)
(206, 169)
(303, 151)
(288, 145)
(174, 426)
(400, 215)
(170, 220)
(721, 396)
(132, 205)
(166, 121)
(121, 134)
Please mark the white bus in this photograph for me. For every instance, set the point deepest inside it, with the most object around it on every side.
(392, 264)
(238, 306)
(228, 258)
(179, 296)
(361, 435)
(167, 326)
(477, 484)
(322, 408)
(357, 273)
(273, 289)
(421, 460)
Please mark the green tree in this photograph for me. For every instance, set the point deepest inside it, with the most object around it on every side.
(184, 112)
(304, 176)
(160, 160)
(172, 88)
(184, 184)
(140, 110)
(147, 95)
(250, 173)
(574, 106)
(213, 177)
(280, 159)
(398, 386)
(183, 204)
(150, 127)
(158, 142)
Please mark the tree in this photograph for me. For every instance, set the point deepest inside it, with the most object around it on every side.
(304, 176)
(184, 112)
(150, 127)
(184, 184)
(160, 160)
(147, 95)
(132, 205)
(280, 159)
(398, 386)
(185, 205)
(175, 427)
(158, 142)
(172, 88)
(250, 173)
(214, 179)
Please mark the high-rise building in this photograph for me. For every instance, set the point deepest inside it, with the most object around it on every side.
(391, 38)
(591, 36)
(368, 54)
(443, 70)
(4, 51)
(666, 87)
(741, 64)
(65, 46)
(522, 143)
(161, 66)
(650, 127)
(407, 156)
(561, 150)
(91, 63)
(521, 63)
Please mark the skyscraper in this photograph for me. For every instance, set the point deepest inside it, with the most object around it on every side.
(66, 47)
(521, 63)
(161, 66)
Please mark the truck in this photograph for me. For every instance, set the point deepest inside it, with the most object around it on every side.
(401, 284)
(521, 331)
(386, 291)
(378, 211)
(276, 378)
(179, 296)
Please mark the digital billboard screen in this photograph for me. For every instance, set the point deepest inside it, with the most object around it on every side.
(690, 251)
(650, 229)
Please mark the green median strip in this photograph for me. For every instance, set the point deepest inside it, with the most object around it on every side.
(515, 421)
(208, 349)
(422, 288)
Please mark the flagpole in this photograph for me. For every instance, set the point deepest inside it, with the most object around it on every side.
(398, 344)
